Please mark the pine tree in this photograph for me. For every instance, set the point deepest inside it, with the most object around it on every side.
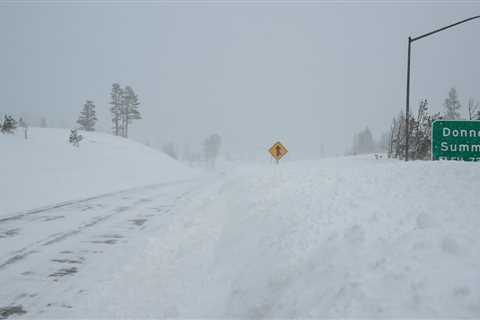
(170, 150)
(87, 118)
(23, 124)
(43, 123)
(9, 124)
(211, 148)
(363, 142)
(75, 138)
(187, 154)
(452, 105)
(129, 109)
(116, 108)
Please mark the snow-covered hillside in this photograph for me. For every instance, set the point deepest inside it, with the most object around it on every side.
(46, 169)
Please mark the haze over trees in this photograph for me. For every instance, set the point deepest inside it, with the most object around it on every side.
(124, 109)
(452, 105)
(211, 149)
(23, 124)
(363, 142)
(88, 117)
(170, 150)
(43, 122)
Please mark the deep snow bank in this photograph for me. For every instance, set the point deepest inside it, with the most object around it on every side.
(345, 237)
(46, 169)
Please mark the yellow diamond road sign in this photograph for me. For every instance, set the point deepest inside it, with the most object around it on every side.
(278, 151)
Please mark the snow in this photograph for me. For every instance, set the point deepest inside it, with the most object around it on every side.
(343, 237)
(45, 169)
(346, 237)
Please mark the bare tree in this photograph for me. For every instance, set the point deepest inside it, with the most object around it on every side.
(473, 109)
(393, 130)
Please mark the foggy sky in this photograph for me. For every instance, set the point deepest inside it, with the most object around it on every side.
(303, 73)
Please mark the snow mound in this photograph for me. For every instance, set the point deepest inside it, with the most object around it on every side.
(46, 169)
(352, 237)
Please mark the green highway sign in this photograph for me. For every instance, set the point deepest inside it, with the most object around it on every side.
(456, 140)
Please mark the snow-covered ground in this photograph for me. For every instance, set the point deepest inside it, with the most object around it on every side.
(345, 237)
(45, 169)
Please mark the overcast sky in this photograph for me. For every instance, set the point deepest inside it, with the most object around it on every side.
(306, 73)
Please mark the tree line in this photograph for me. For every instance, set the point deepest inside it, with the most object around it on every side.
(124, 109)
(363, 142)
(209, 153)
(9, 125)
(420, 126)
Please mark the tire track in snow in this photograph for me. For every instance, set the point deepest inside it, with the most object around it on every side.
(133, 216)
(29, 249)
(23, 214)
(23, 253)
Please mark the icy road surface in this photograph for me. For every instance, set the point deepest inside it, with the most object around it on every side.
(50, 257)
(347, 237)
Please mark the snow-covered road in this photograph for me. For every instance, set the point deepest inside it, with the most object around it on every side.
(51, 256)
(346, 237)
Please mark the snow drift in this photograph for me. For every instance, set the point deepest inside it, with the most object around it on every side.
(349, 237)
(346, 237)
(46, 169)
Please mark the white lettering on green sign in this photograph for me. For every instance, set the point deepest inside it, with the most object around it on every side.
(460, 133)
(456, 140)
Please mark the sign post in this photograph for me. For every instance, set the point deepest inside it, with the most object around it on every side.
(278, 151)
(456, 140)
